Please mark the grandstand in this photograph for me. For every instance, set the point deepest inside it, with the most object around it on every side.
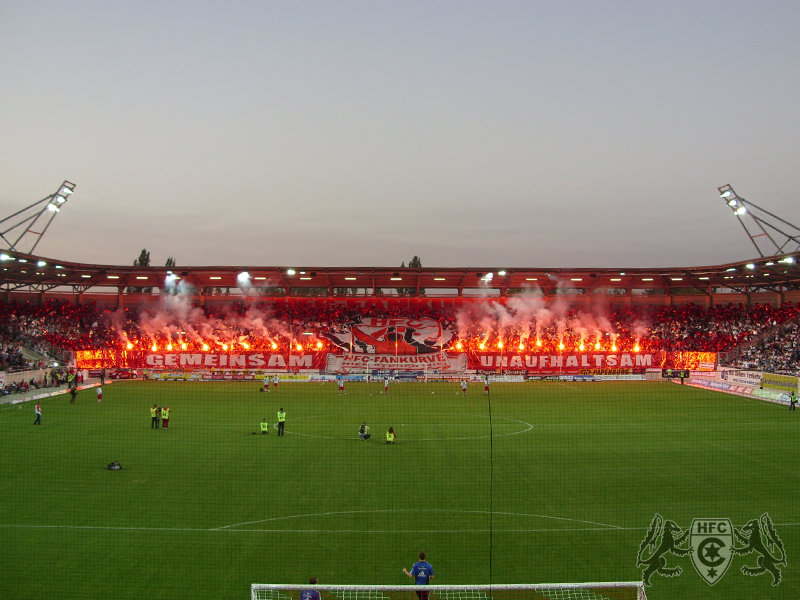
(601, 406)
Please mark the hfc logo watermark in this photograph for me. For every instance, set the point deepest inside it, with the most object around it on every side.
(711, 544)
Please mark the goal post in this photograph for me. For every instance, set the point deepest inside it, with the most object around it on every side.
(617, 590)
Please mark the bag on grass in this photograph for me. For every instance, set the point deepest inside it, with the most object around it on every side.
(114, 466)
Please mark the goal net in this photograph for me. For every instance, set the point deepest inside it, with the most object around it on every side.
(622, 590)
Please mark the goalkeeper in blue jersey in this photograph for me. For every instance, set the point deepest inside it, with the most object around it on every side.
(422, 571)
(310, 594)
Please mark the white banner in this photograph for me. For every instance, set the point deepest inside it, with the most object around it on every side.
(386, 362)
(751, 378)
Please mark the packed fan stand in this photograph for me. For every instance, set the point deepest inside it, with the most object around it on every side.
(618, 590)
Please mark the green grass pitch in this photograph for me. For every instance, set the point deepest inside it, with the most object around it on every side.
(539, 483)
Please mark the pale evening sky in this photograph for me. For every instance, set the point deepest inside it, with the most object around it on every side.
(503, 134)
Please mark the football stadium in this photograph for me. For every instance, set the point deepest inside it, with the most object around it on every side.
(235, 431)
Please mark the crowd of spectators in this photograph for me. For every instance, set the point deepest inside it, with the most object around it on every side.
(53, 378)
(11, 358)
(57, 326)
(777, 351)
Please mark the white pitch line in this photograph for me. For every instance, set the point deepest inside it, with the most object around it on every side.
(440, 510)
(476, 437)
(570, 387)
(412, 531)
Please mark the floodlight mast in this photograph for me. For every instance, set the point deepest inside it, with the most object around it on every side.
(28, 216)
(754, 219)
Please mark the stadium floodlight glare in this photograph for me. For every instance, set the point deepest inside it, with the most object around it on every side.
(5, 257)
(501, 273)
(488, 276)
(41, 263)
(789, 260)
(770, 234)
(750, 266)
(290, 271)
(34, 220)
(243, 277)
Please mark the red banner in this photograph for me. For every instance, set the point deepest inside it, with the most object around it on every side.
(568, 363)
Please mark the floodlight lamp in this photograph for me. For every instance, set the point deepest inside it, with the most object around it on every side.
(733, 202)
(488, 276)
(750, 266)
(66, 191)
(290, 271)
(60, 199)
(243, 277)
(740, 211)
(5, 257)
(52, 207)
(789, 260)
(41, 263)
(726, 194)
(501, 273)
(769, 264)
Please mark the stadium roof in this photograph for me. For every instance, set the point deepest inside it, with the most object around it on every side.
(21, 272)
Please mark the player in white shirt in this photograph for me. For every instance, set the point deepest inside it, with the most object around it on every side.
(341, 386)
(275, 383)
(386, 386)
(464, 386)
(486, 386)
(266, 384)
(99, 395)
